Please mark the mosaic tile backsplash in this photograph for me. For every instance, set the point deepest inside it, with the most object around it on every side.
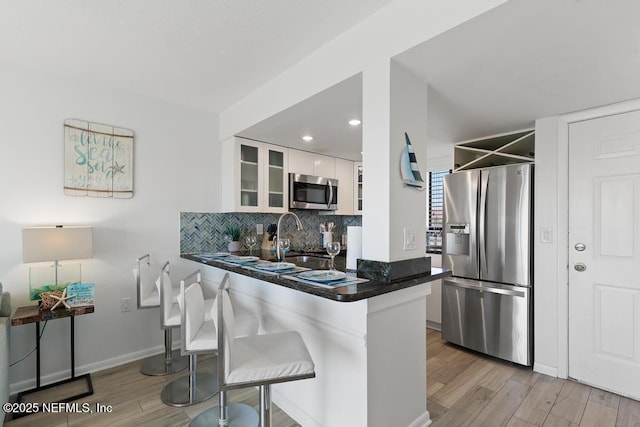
(203, 232)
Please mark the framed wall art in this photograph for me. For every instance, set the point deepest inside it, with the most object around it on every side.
(98, 160)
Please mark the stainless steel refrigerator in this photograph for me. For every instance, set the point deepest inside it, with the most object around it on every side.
(487, 302)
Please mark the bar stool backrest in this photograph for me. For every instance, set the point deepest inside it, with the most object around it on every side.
(147, 283)
(226, 330)
(191, 301)
(166, 296)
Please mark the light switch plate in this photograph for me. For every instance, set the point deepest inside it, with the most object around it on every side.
(409, 239)
(259, 229)
(546, 234)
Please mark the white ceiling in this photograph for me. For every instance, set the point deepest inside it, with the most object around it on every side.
(324, 116)
(526, 60)
(205, 54)
(498, 72)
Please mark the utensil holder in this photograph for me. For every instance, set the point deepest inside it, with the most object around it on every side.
(327, 237)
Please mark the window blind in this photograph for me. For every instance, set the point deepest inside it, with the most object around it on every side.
(435, 210)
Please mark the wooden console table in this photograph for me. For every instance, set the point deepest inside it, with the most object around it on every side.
(32, 314)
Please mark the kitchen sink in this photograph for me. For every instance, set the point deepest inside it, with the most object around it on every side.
(310, 261)
(307, 257)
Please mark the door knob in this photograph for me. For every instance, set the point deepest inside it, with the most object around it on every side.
(578, 266)
(580, 247)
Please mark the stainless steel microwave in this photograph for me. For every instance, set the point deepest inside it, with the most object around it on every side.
(312, 192)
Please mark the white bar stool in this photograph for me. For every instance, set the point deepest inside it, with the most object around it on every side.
(197, 386)
(250, 361)
(148, 293)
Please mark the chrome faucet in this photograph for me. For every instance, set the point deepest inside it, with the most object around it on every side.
(298, 224)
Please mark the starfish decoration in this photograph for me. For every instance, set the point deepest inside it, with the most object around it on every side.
(117, 169)
(62, 299)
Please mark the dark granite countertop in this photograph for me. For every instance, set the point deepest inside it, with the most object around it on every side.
(348, 293)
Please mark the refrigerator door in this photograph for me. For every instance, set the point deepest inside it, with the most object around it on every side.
(488, 317)
(505, 224)
(459, 243)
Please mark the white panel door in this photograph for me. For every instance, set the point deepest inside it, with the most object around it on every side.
(604, 253)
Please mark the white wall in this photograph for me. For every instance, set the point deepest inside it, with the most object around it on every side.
(549, 165)
(175, 160)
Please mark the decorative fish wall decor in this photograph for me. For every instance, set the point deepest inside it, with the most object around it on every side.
(409, 168)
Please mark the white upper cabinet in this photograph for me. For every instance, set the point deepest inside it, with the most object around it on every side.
(344, 175)
(357, 188)
(253, 176)
(301, 162)
(324, 166)
(307, 163)
(276, 179)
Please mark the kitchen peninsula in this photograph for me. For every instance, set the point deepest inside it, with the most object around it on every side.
(368, 342)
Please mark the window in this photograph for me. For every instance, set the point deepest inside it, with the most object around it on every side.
(435, 210)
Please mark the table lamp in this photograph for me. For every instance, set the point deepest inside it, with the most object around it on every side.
(56, 243)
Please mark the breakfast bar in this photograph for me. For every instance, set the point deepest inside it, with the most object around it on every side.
(367, 340)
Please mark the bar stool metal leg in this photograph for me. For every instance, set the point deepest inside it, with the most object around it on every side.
(226, 414)
(164, 364)
(190, 389)
(265, 405)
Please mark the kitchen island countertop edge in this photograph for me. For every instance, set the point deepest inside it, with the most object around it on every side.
(348, 293)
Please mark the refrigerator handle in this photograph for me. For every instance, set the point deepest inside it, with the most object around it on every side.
(515, 292)
(484, 186)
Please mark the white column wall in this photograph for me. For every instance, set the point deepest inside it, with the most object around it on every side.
(408, 114)
(376, 98)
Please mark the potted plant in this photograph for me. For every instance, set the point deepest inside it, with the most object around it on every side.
(232, 237)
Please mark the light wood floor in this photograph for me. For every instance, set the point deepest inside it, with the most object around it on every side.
(467, 389)
(135, 401)
(463, 389)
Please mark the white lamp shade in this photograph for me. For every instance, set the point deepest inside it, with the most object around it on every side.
(56, 243)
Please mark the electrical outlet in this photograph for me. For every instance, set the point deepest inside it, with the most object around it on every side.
(125, 305)
(259, 229)
(409, 239)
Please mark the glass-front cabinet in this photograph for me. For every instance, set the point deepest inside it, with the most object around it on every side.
(253, 176)
(357, 191)
(250, 180)
(277, 189)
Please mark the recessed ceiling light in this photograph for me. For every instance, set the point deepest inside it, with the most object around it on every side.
(354, 122)
(307, 138)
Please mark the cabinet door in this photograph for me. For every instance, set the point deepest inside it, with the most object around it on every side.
(344, 175)
(301, 162)
(250, 158)
(357, 187)
(324, 166)
(275, 178)
(307, 163)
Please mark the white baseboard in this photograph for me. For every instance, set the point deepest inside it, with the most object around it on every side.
(423, 420)
(547, 370)
(302, 418)
(89, 368)
(434, 325)
(292, 410)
